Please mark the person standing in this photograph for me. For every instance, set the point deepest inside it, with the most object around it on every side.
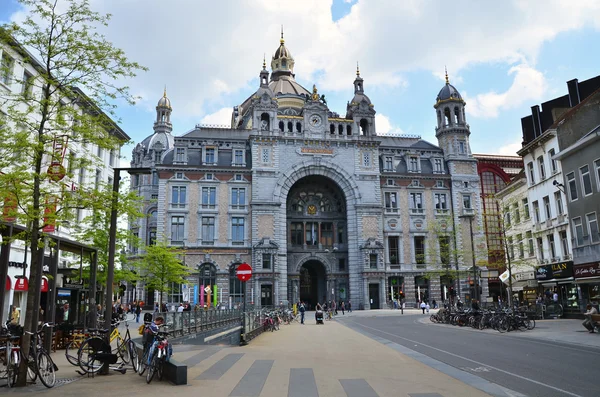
(342, 307)
(335, 312)
(555, 296)
(138, 312)
(423, 306)
(349, 306)
(302, 310)
(180, 308)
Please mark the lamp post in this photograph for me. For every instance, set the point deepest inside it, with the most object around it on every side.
(470, 216)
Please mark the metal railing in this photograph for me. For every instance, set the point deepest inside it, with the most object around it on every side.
(192, 322)
(254, 324)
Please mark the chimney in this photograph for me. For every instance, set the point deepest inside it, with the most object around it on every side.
(573, 86)
(536, 120)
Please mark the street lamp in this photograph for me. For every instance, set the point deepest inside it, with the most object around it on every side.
(470, 216)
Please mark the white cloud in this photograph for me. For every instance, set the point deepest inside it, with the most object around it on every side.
(510, 149)
(220, 117)
(529, 86)
(385, 127)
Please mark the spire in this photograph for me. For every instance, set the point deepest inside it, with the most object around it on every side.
(264, 61)
(357, 70)
(282, 40)
(446, 69)
(165, 92)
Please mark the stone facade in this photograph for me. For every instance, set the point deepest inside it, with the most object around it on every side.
(320, 205)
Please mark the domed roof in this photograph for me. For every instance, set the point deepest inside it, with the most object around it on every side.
(448, 92)
(164, 102)
(282, 52)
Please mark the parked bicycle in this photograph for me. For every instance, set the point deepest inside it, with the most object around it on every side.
(159, 353)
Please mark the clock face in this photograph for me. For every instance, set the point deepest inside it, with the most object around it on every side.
(315, 120)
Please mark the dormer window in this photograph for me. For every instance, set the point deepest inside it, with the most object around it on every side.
(438, 167)
(179, 175)
(209, 177)
(283, 63)
(389, 164)
(180, 154)
(210, 155)
(413, 164)
(238, 157)
(238, 177)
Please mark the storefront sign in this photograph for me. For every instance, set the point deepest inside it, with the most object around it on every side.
(555, 270)
(8, 283)
(587, 270)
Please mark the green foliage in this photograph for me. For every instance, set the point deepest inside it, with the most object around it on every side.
(161, 266)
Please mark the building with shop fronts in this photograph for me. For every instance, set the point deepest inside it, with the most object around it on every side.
(318, 203)
(546, 195)
(578, 134)
(18, 72)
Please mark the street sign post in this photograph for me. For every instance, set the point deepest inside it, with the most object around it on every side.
(244, 273)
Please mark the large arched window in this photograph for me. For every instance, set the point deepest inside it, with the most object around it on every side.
(235, 286)
(207, 277)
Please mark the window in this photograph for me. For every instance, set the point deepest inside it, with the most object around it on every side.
(511, 249)
(238, 157)
(157, 156)
(373, 261)
(551, 154)
(208, 276)
(6, 68)
(441, 204)
(389, 164)
(551, 245)
(342, 264)
(526, 209)
(178, 196)
(209, 177)
(419, 242)
(506, 217)
(341, 233)
(416, 203)
(209, 156)
(467, 201)
(461, 147)
(578, 231)
(98, 179)
(237, 230)
(208, 230)
(154, 178)
(296, 232)
(81, 176)
(593, 227)
(413, 164)
(111, 158)
(100, 151)
(517, 215)
(536, 212)
(236, 292)
(572, 186)
(238, 198)
(390, 182)
(586, 180)
(521, 248)
(437, 166)
(531, 173)
(267, 261)
(179, 175)
(547, 207)
(177, 226)
(564, 243)
(529, 243)
(540, 246)
(238, 177)
(366, 159)
(542, 168)
(27, 84)
(558, 200)
(394, 250)
(444, 242)
(391, 202)
(311, 233)
(597, 166)
(180, 154)
(327, 234)
(209, 197)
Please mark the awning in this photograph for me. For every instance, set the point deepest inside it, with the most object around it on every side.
(21, 284)
(522, 284)
(8, 284)
(44, 284)
(557, 281)
(588, 280)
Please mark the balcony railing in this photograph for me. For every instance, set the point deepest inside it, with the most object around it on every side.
(195, 321)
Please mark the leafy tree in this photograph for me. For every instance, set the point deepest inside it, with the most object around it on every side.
(71, 96)
(160, 266)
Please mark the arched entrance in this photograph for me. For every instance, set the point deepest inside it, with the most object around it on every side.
(313, 283)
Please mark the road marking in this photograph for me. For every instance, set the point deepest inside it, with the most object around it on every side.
(473, 361)
(478, 369)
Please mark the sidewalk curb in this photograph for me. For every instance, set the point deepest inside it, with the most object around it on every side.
(472, 380)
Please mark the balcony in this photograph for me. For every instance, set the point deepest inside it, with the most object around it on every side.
(468, 212)
(417, 211)
(442, 211)
(560, 218)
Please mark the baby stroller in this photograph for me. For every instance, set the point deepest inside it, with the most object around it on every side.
(319, 317)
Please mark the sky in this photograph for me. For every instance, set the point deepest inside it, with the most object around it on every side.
(502, 56)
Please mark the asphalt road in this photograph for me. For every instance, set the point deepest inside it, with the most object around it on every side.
(528, 366)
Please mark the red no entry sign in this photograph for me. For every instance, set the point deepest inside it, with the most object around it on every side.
(244, 272)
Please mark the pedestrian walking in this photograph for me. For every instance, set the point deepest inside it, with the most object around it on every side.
(427, 307)
(156, 307)
(434, 304)
(302, 310)
(349, 306)
(342, 307)
(335, 312)
(138, 311)
(423, 306)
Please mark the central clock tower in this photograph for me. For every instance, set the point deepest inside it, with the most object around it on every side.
(315, 115)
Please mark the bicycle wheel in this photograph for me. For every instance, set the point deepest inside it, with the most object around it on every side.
(12, 368)
(531, 324)
(134, 355)
(143, 362)
(503, 325)
(71, 352)
(152, 369)
(159, 369)
(45, 367)
(31, 368)
(123, 350)
(87, 355)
